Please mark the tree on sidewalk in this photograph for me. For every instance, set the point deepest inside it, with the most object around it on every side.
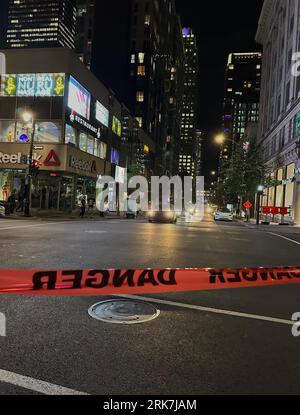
(240, 175)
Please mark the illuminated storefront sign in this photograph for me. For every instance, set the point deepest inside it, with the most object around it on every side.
(79, 99)
(117, 126)
(102, 114)
(33, 85)
(17, 158)
(79, 164)
(76, 118)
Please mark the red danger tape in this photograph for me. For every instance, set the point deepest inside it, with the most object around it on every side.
(130, 281)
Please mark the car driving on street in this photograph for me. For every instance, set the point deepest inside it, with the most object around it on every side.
(223, 214)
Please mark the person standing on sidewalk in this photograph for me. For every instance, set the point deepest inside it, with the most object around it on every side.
(12, 201)
(83, 207)
(91, 204)
(20, 197)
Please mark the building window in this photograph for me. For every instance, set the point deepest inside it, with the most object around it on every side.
(147, 20)
(141, 70)
(7, 131)
(140, 96)
(140, 121)
(90, 145)
(70, 135)
(83, 142)
(141, 57)
(47, 132)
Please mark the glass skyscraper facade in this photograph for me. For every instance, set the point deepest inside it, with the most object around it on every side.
(188, 152)
(41, 23)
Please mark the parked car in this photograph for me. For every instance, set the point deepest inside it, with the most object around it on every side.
(223, 214)
(2, 210)
(165, 216)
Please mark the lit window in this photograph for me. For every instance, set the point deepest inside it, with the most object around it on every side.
(141, 70)
(141, 57)
(140, 96)
(140, 121)
(147, 20)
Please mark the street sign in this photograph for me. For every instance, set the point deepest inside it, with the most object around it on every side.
(248, 205)
(297, 126)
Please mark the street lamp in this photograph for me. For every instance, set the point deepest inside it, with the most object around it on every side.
(27, 118)
(260, 192)
(220, 139)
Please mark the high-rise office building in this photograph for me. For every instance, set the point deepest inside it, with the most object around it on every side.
(188, 159)
(139, 53)
(41, 23)
(85, 30)
(199, 144)
(242, 92)
(3, 22)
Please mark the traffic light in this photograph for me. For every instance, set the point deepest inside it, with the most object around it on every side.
(34, 168)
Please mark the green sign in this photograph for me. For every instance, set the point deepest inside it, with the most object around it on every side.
(298, 124)
(33, 85)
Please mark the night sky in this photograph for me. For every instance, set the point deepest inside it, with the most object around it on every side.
(221, 27)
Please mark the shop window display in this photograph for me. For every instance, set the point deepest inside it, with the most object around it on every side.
(7, 131)
(11, 182)
(23, 130)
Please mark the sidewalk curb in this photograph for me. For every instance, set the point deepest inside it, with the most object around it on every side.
(60, 218)
(291, 229)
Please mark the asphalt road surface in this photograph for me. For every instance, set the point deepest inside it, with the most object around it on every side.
(223, 342)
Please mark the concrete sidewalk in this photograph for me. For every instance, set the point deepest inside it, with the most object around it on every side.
(41, 215)
(273, 227)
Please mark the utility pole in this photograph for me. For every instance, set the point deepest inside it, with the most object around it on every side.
(28, 117)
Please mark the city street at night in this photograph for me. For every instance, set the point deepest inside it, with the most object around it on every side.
(149, 202)
(222, 342)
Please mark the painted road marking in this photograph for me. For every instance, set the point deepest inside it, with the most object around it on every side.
(32, 226)
(36, 385)
(95, 231)
(239, 239)
(284, 237)
(212, 310)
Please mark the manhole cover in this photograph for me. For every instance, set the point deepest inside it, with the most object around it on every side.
(124, 312)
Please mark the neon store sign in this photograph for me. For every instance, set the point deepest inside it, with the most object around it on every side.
(33, 85)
